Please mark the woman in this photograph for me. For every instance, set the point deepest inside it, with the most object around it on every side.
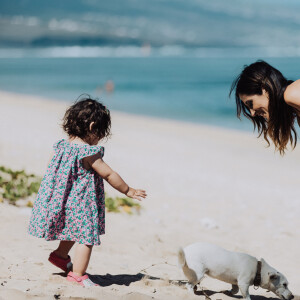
(270, 101)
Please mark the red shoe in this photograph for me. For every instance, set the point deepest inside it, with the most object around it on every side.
(84, 280)
(62, 263)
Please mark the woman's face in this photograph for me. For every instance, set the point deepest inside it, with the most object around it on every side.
(258, 105)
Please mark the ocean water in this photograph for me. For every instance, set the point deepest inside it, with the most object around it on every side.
(192, 89)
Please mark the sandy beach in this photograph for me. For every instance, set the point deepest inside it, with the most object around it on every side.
(203, 183)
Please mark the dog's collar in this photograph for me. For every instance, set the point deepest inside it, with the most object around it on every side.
(257, 278)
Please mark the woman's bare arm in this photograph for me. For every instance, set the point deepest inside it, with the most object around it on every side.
(292, 95)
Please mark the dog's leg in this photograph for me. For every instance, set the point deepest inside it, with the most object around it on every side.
(192, 284)
(192, 279)
(190, 287)
(244, 288)
(234, 290)
(199, 277)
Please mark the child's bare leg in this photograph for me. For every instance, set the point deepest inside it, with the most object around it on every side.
(82, 258)
(64, 248)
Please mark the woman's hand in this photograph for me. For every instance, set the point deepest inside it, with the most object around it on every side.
(136, 194)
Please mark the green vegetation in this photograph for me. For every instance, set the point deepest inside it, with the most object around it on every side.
(17, 185)
(118, 204)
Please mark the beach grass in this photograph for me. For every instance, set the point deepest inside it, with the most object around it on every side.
(18, 185)
(119, 204)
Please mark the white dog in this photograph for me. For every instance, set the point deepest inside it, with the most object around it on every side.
(239, 269)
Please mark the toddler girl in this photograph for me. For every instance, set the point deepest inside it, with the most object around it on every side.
(70, 204)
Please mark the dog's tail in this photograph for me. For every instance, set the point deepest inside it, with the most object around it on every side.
(181, 257)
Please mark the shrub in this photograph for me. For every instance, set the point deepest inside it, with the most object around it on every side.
(118, 204)
(15, 185)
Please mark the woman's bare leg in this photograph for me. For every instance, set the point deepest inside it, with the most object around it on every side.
(82, 258)
(64, 248)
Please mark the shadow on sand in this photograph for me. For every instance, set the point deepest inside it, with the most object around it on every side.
(127, 279)
(121, 279)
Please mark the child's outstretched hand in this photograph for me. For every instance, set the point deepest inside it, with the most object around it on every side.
(136, 194)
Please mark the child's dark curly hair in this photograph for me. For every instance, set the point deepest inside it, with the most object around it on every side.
(81, 114)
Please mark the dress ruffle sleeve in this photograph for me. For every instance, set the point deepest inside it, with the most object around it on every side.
(89, 151)
(82, 149)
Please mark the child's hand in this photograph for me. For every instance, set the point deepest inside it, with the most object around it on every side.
(136, 194)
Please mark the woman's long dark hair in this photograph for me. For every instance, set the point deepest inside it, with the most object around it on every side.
(280, 126)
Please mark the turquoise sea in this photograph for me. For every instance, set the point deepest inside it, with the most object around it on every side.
(193, 89)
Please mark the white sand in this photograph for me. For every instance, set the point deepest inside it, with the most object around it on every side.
(204, 184)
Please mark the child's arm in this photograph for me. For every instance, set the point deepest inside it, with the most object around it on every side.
(113, 178)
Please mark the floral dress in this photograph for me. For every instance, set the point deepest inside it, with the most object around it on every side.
(70, 203)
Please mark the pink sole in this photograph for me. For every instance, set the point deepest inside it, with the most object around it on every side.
(84, 280)
(71, 279)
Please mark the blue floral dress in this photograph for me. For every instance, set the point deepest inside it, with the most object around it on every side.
(70, 203)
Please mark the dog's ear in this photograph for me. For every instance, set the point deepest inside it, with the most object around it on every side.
(273, 275)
